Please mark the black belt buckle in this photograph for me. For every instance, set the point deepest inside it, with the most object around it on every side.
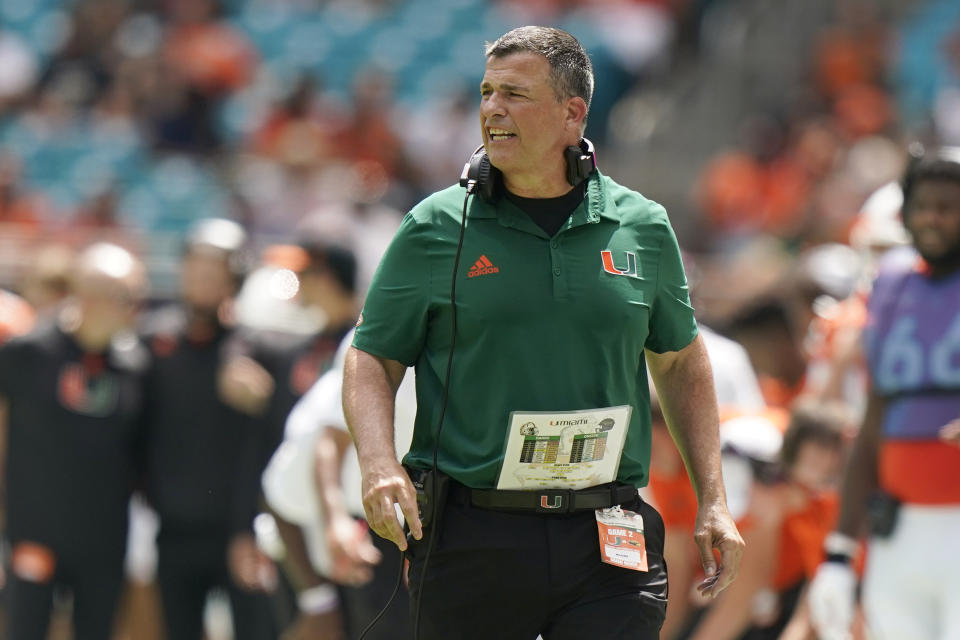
(555, 501)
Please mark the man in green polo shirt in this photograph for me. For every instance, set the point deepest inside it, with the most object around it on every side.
(567, 283)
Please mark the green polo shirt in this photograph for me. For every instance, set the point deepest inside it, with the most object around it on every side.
(543, 324)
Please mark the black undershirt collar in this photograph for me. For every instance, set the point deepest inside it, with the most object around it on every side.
(550, 213)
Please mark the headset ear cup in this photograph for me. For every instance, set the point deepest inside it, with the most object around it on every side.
(481, 177)
(486, 180)
(476, 176)
(581, 161)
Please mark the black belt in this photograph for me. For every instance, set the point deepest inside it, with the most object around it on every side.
(553, 501)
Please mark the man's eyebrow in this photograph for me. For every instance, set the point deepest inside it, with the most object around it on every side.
(506, 86)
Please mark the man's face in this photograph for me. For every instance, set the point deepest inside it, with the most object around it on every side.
(933, 219)
(524, 127)
(206, 280)
(113, 310)
(817, 466)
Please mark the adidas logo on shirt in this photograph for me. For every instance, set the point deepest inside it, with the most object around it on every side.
(482, 267)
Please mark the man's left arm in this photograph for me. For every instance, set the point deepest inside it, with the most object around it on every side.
(684, 385)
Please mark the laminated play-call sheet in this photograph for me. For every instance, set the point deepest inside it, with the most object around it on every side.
(563, 450)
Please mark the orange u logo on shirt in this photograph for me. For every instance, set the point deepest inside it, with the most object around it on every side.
(631, 269)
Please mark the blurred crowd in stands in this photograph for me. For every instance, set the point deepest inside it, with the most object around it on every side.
(138, 115)
(313, 125)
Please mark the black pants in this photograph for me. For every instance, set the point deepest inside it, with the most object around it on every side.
(361, 604)
(188, 568)
(512, 576)
(94, 581)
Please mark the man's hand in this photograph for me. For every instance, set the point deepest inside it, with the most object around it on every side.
(352, 554)
(715, 529)
(951, 432)
(831, 600)
(385, 483)
(322, 626)
(250, 567)
(245, 385)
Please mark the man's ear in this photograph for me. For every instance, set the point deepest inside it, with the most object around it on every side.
(576, 114)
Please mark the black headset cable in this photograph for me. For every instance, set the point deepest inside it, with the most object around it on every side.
(471, 188)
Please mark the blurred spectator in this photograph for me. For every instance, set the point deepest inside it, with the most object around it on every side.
(371, 132)
(323, 276)
(836, 369)
(99, 215)
(210, 55)
(367, 226)
(769, 187)
(786, 525)
(441, 136)
(852, 51)
(181, 118)
(17, 204)
(905, 461)
(301, 132)
(45, 282)
(669, 489)
(87, 56)
(766, 330)
(101, 212)
(74, 395)
(202, 60)
(313, 483)
(327, 275)
(196, 440)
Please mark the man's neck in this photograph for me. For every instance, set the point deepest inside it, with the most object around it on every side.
(540, 183)
(202, 322)
(943, 268)
(90, 338)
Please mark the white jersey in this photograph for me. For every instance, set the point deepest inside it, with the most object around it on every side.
(288, 481)
(733, 376)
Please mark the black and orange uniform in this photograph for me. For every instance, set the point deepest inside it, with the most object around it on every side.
(294, 362)
(74, 428)
(196, 477)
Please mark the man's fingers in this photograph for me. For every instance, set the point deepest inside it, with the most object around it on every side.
(386, 490)
(376, 515)
(708, 587)
(731, 553)
(718, 576)
(408, 504)
(389, 524)
(707, 560)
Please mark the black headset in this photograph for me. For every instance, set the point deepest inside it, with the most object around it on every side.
(482, 178)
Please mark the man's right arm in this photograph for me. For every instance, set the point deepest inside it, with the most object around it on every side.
(860, 478)
(369, 390)
(831, 594)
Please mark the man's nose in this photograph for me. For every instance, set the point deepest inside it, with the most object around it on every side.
(491, 105)
(924, 215)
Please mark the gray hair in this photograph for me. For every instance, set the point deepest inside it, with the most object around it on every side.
(571, 73)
